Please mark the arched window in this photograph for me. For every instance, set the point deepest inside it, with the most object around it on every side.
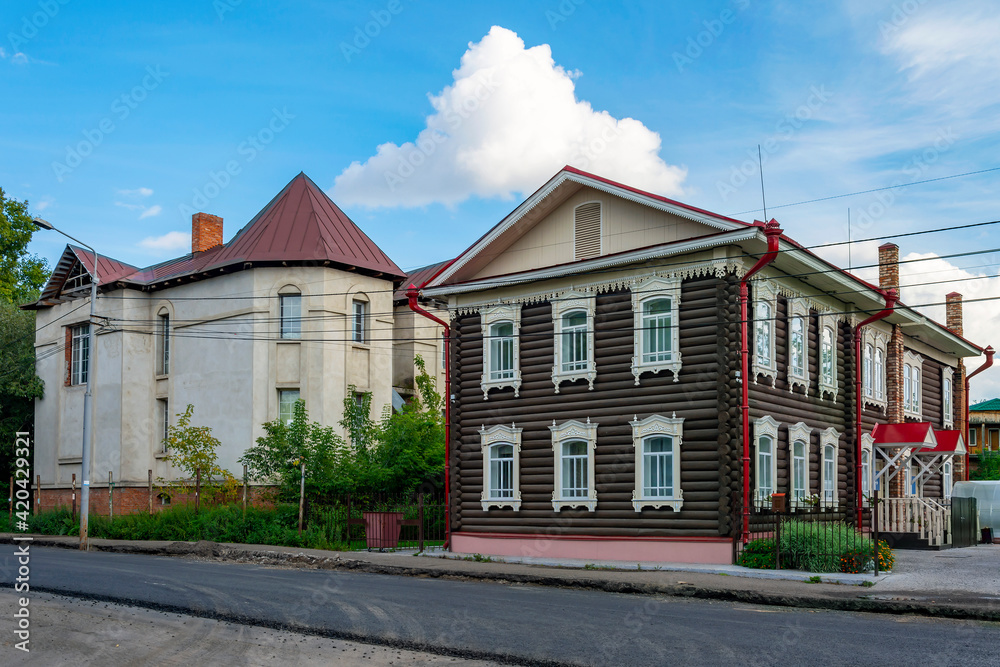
(290, 305)
(163, 342)
(762, 333)
(501, 447)
(574, 445)
(879, 372)
(826, 356)
(800, 471)
(869, 379)
(765, 464)
(829, 473)
(797, 347)
(866, 473)
(501, 471)
(947, 480)
(657, 443)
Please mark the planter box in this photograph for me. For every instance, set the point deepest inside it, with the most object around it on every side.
(382, 529)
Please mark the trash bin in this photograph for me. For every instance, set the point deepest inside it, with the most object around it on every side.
(382, 529)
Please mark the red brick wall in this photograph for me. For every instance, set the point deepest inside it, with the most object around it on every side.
(206, 231)
(132, 500)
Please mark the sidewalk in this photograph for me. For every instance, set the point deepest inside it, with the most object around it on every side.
(956, 583)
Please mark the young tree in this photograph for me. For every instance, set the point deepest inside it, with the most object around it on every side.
(192, 449)
(22, 274)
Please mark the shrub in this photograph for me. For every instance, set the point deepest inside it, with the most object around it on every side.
(818, 547)
(758, 554)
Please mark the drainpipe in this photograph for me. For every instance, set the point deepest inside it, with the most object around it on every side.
(411, 294)
(773, 232)
(989, 362)
(891, 297)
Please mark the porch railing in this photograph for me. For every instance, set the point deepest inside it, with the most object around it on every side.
(926, 517)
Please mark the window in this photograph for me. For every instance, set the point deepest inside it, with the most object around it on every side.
(764, 310)
(798, 332)
(444, 350)
(573, 322)
(912, 481)
(501, 366)
(657, 441)
(912, 364)
(587, 230)
(574, 446)
(800, 436)
(907, 387)
(163, 344)
(765, 442)
(874, 342)
(947, 404)
(798, 356)
(947, 480)
(826, 358)
(655, 306)
(80, 356)
(973, 437)
(829, 442)
(867, 370)
(763, 334)
(879, 371)
(291, 315)
(163, 423)
(286, 404)
(501, 447)
(359, 329)
(866, 474)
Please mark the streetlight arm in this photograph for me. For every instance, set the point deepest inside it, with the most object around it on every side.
(45, 224)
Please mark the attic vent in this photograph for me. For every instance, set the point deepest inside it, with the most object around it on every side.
(587, 229)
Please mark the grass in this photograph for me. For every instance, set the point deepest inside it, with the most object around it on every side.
(818, 547)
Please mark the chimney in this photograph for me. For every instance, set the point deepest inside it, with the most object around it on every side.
(953, 313)
(888, 266)
(206, 231)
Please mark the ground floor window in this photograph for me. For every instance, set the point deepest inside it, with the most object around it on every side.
(657, 441)
(501, 447)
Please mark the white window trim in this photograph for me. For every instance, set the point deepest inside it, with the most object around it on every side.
(879, 341)
(868, 445)
(798, 432)
(914, 361)
(947, 476)
(832, 387)
(648, 289)
(561, 305)
(657, 425)
(763, 290)
(501, 434)
(769, 427)
(948, 415)
(799, 307)
(829, 438)
(565, 432)
(491, 315)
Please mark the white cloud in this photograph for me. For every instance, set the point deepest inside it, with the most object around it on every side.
(153, 210)
(169, 241)
(138, 192)
(44, 203)
(509, 121)
(19, 59)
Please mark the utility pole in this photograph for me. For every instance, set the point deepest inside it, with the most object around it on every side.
(88, 396)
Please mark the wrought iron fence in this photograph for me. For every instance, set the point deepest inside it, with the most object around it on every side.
(809, 534)
(380, 521)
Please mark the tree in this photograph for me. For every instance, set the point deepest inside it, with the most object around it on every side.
(22, 275)
(193, 450)
(989, 466)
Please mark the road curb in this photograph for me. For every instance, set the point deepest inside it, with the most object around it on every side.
(216, 551)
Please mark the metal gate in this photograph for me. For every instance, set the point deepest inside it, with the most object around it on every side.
(964, 522)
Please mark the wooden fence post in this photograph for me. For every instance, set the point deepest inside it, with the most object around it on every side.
(197, 489)
(150, 481)
(111, 496)
(74, 497)
(302, 497)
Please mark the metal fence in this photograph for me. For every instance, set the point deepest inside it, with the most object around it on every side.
(379, 521)
(810, 534)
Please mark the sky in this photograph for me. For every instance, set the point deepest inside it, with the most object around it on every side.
(429, 122)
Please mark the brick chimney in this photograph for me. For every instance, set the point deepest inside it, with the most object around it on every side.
(206, 231)
(953, 313)
(888, 266)
(955, 324)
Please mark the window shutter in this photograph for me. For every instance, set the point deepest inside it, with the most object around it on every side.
(587, 226)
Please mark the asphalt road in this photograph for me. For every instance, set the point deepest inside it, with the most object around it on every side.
(521, 624)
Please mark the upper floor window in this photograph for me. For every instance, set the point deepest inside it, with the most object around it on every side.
(444, 350)
(163, 422)
(828, 356)
(359, 321)
(765, 434)
(290, 306)
(655, 305)
(573, 321)
(798, 336)
(575, 354)
(869, 359)
(587, 230)
(80, 355)
(765, 302)
(500, 325)
(163, 344)
(286, 404)
(574, 445)
(874, 342)
(879, 370)
(763, 333)
(800, 436)
(501, 447)
(947, 405)
(912, 376)
(657, 441)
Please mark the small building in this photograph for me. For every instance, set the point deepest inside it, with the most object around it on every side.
(984, 427)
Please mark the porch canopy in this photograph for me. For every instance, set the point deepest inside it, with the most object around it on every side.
(896, 443)
(931, 461)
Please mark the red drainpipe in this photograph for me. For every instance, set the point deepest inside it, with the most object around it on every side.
(891, 297)
(989, 362)
(773, 232)
(411, 295)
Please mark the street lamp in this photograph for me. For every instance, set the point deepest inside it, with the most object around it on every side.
(87, 397)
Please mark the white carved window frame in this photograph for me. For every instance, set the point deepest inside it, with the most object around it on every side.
(796, 433)
(566, 432)
(948, 408)
(489, 316)
(650, 289)
(832, 386)
(798, 307)
(651, 427)
(561, 305)
(868, 446)
(915, 362)
(765, 426)
(829, 438)
(501, 434)
(879, 341)
(764, 291)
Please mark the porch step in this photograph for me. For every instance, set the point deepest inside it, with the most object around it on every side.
(910, 541)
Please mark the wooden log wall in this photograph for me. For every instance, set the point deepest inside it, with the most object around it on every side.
(706, 477)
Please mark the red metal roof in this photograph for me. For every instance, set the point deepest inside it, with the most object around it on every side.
(948, 442)
(418, 278)
(913, 434)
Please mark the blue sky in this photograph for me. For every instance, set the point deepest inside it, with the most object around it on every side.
(843, 97)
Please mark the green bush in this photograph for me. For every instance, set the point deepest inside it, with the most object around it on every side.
(758, 554)
(817, 547)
